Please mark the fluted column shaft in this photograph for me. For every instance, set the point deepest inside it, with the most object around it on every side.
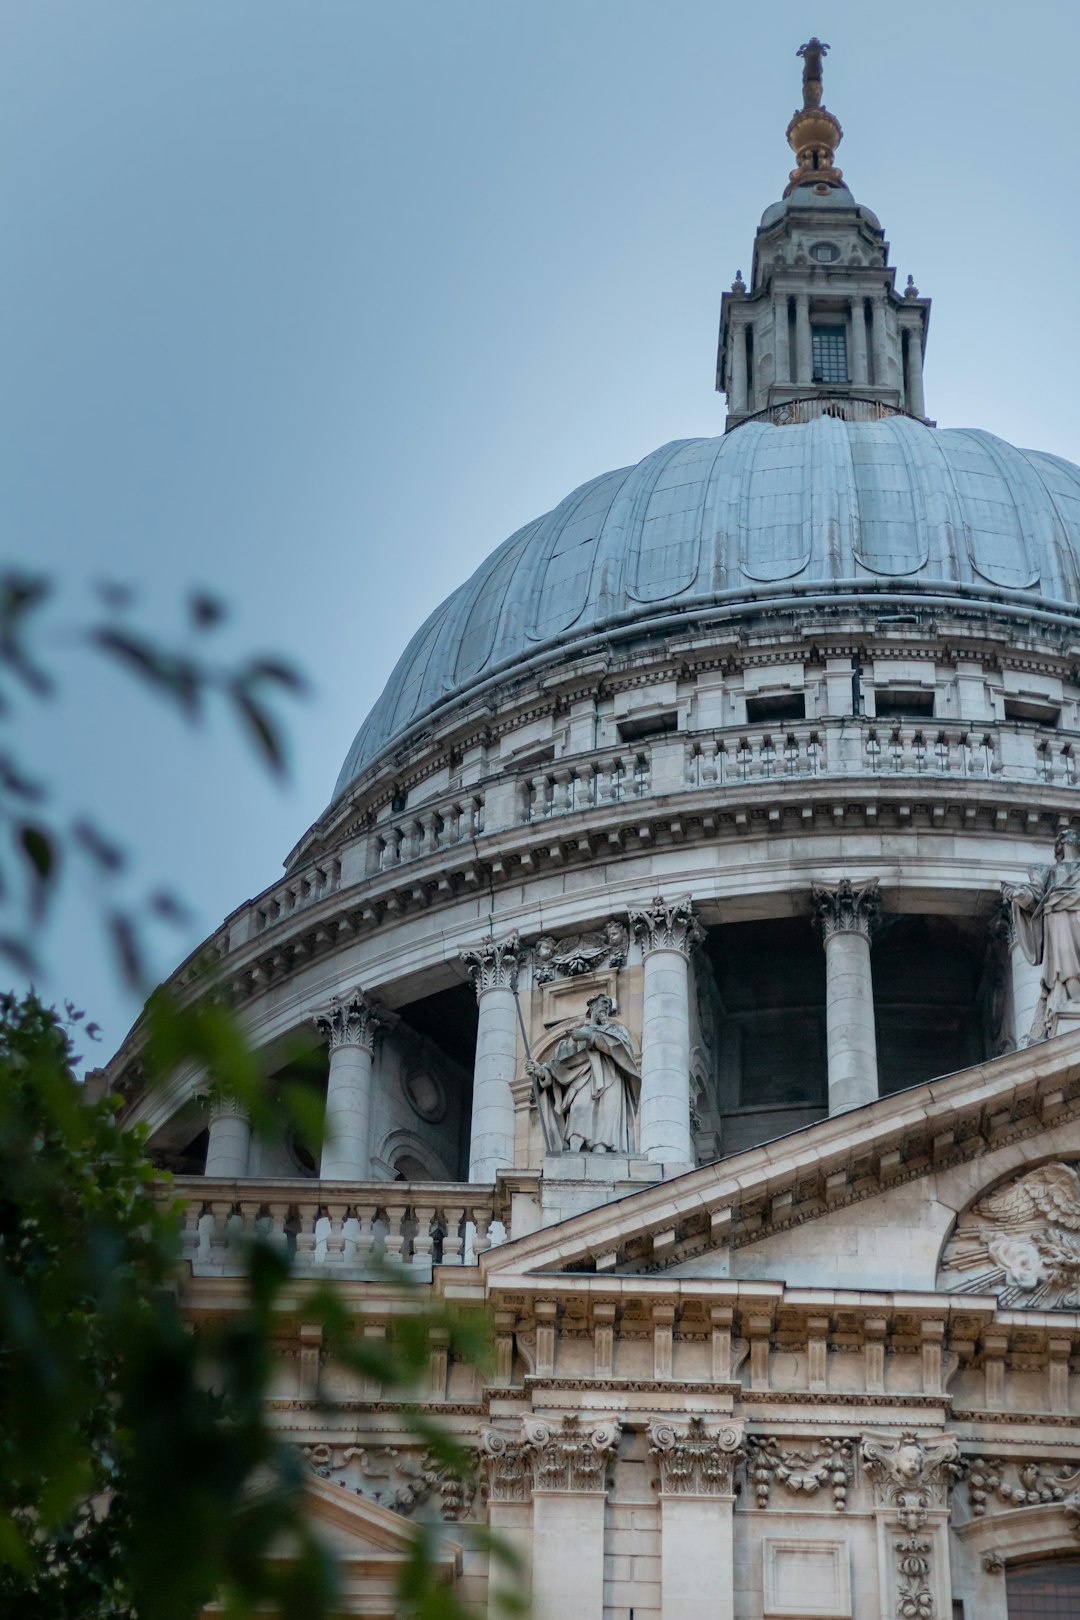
(230, 1141)
(880, 343)
(667, 934)
(846, 916)
(493, 968)
(915, 402)
(781, 345)
(349, 1023)
(859, 373)
(738, 366)
(803, 356)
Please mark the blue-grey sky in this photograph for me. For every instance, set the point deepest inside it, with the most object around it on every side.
(315, 303)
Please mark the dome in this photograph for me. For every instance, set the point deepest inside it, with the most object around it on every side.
(765, 513)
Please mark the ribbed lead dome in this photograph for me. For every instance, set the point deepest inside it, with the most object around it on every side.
(763, 513)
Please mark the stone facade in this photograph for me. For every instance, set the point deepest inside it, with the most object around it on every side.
(788, 1325)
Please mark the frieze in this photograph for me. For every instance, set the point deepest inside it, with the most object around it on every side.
(393, 1478)
(579, 953)
(1025, 1483)
(827, 1463)
(1021, 1242)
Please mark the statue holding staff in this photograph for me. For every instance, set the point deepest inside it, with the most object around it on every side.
(589, 1090)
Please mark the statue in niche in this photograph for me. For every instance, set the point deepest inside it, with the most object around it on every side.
(588, 1092)
(1046, 918)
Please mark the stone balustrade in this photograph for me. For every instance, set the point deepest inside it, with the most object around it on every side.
(349, 1228)
(732, 758)
(303, 888)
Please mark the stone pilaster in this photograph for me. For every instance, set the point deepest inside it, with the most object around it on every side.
(493, 967)
(912, 1476)
(569, 1459)
(349, 1023)
(1025, 983)
(846, 916)
(697, 1501)
(667, 933)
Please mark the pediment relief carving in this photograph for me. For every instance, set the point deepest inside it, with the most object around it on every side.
(1021, 1241)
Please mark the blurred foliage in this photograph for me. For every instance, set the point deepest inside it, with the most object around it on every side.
(43, 841)
(139, 1474)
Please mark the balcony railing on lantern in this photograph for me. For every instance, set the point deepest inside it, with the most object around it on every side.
(355, 1229)
(595, 782)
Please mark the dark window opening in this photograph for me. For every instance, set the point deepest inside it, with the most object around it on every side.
(1044, 1591)
(926, 973)
(781, 706)
(771, 1057)
(1031, 710)
(829, 354)
(912, 704)
(651, 725)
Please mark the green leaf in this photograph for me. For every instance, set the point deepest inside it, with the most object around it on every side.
(39, 849)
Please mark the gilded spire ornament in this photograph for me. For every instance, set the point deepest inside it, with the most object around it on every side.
(814, 134)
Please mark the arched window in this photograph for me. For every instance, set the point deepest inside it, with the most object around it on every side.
(1044, 1591)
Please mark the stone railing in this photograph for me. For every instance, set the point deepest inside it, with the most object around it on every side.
(302, 888)
(341, 1226)
(586, 784)
(429, 830)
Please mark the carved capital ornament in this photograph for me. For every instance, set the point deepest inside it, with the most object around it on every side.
(845, 909)
(493, 964)
(664, 927)
(348, 1020)
(693, 1462)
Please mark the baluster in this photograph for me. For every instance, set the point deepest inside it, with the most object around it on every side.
(1043, 764)
(335, 1237)
(560, 793)
(642, 775)
(482, 1220)
(919, 746)
(189, 1231)
(250, 1216)
(768, 757)
(204, 1249)
(429, 836)
(365, 1232)
(276, 1229)
(896, 752)
(539, 803)
(745, 760)
(221, 1210)
(815, 760)
(941, 755)
(604, 782)
(308, 1214)
(394, 1242)
(452, 1242)
(791, 756)
(618, 781)
(710, 761)
(423, 1246)
(1068, 764)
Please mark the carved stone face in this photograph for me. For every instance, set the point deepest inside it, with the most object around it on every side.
(600, 1009)
(909, 1463)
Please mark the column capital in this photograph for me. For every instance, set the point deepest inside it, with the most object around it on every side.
(493, 964)
(570, 1455)
(693, 1462)
(845, 909)
(664, 927)
(349, 1020)
(226, 1108)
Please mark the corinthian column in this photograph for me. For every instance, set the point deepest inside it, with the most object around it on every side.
(493, 969)
(230, 1139)
(846, 916)
(349, 1024)
(667, 934)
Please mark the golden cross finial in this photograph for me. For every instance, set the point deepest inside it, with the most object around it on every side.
(812, 53)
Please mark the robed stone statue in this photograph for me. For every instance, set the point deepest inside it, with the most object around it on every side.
(588, 1092)
(1046, 920)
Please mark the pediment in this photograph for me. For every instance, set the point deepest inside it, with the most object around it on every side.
(363, 1533)
(755, 1213)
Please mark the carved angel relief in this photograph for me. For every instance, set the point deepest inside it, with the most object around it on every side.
(393, 1478)
(579, 953)
(1021, 1242)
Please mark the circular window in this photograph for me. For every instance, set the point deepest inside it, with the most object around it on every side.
(825, 252)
